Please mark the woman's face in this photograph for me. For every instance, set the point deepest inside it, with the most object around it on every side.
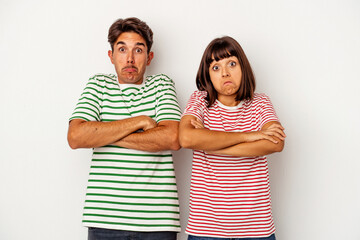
(225, 76)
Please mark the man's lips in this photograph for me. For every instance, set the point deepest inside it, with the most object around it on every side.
(130, 69)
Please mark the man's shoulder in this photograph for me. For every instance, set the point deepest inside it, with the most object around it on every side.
(102, 77)
(158, 79)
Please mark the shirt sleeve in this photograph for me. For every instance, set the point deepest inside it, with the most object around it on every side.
(196, 105)
(89, 104)
(267, 111)
(167, 106)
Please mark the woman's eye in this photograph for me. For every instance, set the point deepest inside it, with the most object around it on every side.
(215, 68)
(232, 63)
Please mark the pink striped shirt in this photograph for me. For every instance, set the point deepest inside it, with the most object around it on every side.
(230, 196)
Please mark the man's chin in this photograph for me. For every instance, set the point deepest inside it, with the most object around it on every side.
(130, 80)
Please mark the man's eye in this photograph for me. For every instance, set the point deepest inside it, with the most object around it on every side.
(215, 68)
(138, 50)
(122, 49)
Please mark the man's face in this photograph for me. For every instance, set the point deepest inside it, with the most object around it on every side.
(130, 58)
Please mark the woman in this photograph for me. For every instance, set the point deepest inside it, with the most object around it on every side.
(231, 129)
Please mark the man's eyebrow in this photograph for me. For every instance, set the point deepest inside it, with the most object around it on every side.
(140, 44)
(137, 44)
(120, 42)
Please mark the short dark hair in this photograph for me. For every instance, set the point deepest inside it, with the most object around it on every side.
(132, 24)
(218, 49)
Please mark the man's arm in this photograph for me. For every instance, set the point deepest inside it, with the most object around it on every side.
(253, 149)
(91, 134)
(163, 137)
(208, 140)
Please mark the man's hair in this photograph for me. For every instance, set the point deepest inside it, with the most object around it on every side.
(218, 49)
(132, 24)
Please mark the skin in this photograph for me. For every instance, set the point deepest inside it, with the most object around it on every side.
(130, 59)
(225, 76)
(251, 147)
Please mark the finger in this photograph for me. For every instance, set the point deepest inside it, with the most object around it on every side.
(281, 132)
(279, 136)
(278, 130)
(276, 125)
(196, 124)
(193, 123)
(271, 139)
(278, 133)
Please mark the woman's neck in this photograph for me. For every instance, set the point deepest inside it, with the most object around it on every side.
(228, 100)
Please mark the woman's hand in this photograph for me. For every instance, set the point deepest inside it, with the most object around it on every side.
(274, 130)
(197, 123)
(269, 133)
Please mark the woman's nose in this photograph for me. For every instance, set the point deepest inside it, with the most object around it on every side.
(225, 72)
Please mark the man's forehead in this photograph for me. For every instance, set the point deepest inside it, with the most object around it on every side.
(130, 38)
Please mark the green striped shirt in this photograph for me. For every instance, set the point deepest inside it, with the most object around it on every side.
(129, 189)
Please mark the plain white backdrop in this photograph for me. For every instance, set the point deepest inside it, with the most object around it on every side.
(305, 55)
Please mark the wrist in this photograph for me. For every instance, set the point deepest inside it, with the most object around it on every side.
(248, 136)
(142, 121)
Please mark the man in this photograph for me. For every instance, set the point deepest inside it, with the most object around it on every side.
(131, 122)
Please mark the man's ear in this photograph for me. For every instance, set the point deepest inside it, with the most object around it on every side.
(111, 56)
(150, 57)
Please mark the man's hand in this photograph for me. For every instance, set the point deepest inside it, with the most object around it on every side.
(91, 134)
(164, 136)
(148, 123)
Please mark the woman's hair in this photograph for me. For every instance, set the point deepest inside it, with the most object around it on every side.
(218, 49)
(130, 25)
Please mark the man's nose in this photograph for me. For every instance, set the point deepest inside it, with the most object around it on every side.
(130, 58)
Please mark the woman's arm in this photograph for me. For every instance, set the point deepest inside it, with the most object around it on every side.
(256, 148)
(210, 140)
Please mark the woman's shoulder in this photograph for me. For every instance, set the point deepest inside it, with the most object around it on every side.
(260, 97)
(199, 94)
(198, 97)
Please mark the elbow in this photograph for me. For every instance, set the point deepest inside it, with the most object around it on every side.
(175, 146)
(279, 146)
(185, 141)
(72, 140)
(174, 142)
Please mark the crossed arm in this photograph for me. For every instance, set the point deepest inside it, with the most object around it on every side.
(243, 144)
(155, 137)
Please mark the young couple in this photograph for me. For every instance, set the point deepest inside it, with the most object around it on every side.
(132, 123)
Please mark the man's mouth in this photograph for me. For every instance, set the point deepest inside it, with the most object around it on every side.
(130, 69)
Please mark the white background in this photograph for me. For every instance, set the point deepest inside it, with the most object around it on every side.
(305, 55)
